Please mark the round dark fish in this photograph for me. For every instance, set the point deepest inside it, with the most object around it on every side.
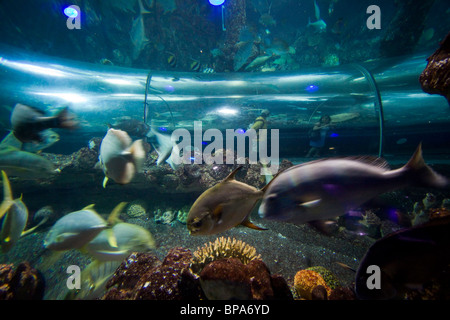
(29, 122)
(133, 127)
(406, 259)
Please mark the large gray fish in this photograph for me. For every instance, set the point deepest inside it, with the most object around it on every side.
(28, 122)
(119, 158)
(407, 259)
(329, 188)
(223, 206)
(24, 164)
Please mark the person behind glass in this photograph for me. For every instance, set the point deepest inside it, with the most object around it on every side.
(318, 135)
(260, 123)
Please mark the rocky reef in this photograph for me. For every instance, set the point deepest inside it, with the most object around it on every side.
(143, 276)
(21, 283)
(435, 79)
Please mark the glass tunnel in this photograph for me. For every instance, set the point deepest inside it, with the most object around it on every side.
(379, 102)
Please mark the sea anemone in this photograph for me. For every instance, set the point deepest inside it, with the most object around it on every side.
(222, 248)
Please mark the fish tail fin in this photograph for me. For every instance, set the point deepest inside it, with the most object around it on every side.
(138, 152)
(7, 195)
(422, 174)
(164, 148)
(67, 120)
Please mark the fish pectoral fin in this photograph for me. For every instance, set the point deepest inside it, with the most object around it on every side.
(247, 223)
(112, 241)
(323, 226)
(64, 236)
(217, 212)
(310, 204)
(25, 232)
(105, 181)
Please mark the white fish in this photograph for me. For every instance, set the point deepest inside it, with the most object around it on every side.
(329, 188)
(119, 158)
(164, 146)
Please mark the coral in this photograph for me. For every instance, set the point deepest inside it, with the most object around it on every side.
(230, 279)
(306, 280)
(436, 213)
(164, 217)
(23, 283)
(435, 78)
(331, 60)
(330, 279)
(429, 201)
(136, 209)
(222, 248)
(342, 293)
(144, 277)
(182, 216)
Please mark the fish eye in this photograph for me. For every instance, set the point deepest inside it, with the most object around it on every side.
(197, 224)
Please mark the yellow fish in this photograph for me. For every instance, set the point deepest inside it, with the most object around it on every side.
(224, 206)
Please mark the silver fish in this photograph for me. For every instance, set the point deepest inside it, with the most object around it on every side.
(24, 164)
(119, 158)
(93, 280)
(326, 189)
(223, 206)
(129, 238)
(16, 216)
(76, 229)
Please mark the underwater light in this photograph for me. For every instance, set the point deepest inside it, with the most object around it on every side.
(312, 88)
(216, 2)
(334, 135)
(240, 131)
(71, 12)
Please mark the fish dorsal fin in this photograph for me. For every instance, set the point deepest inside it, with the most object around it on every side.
(230, 177)
(370, 160)
(89, 207)
(114, 215)
(263, 189)
(7, 195)
(416, 160)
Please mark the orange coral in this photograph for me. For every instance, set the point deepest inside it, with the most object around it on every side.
(306, 280)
